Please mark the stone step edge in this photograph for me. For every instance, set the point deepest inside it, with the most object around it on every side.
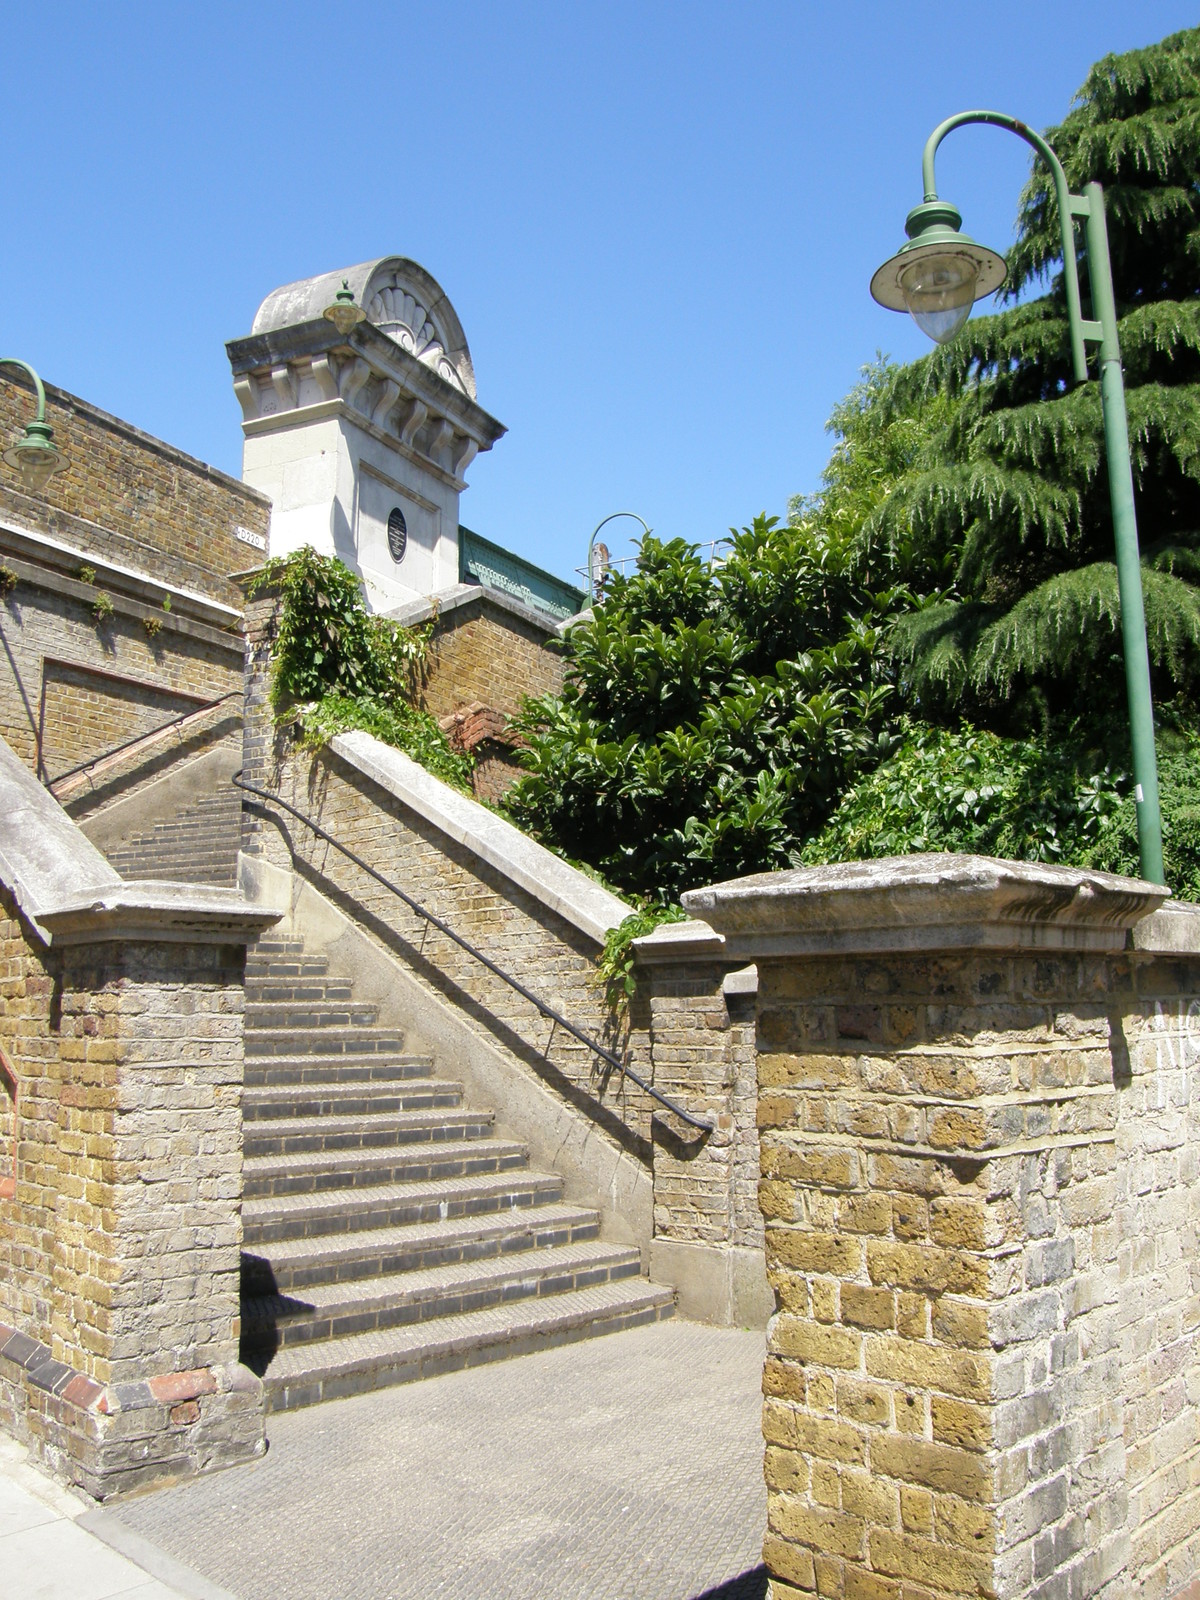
(375, 1155)
(470, 1228)
(409, 1353)
(262, 1094)
(393, 1290)
(364, 1121)
(311, 1203)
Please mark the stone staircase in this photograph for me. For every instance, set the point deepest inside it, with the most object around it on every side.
(197, 845)
(388, 1233)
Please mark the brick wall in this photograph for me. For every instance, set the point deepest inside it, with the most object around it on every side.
(485, 653)
(70, 689)
(120, 1244)
(692, 1048)
(513, 927)
(129, 498)
(981, 1190)
(693, 1035)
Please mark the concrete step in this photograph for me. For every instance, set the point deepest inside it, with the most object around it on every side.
(332, 1311)
(262, 963)
(296, 1070)
(324, 1041)
(337, 1135)
(276, 1102)
(329, 1369)
(509, 1192)
(305, 1172)
(288, 1264)
(272, 1015)
(197, 845)
(260, 990)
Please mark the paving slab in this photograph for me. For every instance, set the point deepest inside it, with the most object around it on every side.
(55, 1544)
(627, 1467)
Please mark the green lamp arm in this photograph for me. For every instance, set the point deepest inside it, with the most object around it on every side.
(13, 361)
(1068, 206)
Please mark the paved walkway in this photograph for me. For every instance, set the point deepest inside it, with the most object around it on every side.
(56, 1544)
(622, 1468)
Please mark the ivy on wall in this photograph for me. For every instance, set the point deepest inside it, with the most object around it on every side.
(335, 667)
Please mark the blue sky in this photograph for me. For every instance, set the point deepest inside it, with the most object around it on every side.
(656, 220)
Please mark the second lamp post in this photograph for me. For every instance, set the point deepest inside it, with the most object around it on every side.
(937, 276)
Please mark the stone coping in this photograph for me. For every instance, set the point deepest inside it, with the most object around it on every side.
(679, 941)
(41, 549)
(44, 857)
(923, 903)
(72, 894)
(562, 888)
(1174, 929)
(412, 613)
(152, 911)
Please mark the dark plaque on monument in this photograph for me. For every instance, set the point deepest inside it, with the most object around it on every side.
(397, 534)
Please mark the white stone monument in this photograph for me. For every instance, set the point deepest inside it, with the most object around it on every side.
(362, 439)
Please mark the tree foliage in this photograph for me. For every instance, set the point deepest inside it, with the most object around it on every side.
(712, 715)
(927, 655)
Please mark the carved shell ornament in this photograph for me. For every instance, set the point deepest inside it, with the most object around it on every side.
(397, 312)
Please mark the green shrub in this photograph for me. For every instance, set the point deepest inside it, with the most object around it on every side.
(415, 732)
(616, 962)
(969, 790)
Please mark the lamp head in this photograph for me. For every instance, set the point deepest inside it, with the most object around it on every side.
(939, 274)
(36, 457)
(343, 313)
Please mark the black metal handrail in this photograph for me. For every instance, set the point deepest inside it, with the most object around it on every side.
(94, 761)
(543, 1007)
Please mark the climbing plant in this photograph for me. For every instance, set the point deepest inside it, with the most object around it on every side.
(335, 667)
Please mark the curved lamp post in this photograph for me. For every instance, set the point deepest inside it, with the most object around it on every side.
(35, 455)
(612, 517)
(937, 276)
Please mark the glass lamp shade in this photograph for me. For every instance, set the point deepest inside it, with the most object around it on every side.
(939, 291)
(36, 457)
(343, 313)
(939, 274)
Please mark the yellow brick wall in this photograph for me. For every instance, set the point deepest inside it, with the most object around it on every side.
(132, 498)
(72, 689)
(981, 1192)
(119, 1248)
(492, 657)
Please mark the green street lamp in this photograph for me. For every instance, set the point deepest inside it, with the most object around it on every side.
(612, 516)
(937, 276)
(35, 455)
(343, 312)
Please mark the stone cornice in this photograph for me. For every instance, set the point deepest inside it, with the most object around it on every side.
(924, 903)
(54, 565)
(681, 941)
(289, 376)
(154, 913)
